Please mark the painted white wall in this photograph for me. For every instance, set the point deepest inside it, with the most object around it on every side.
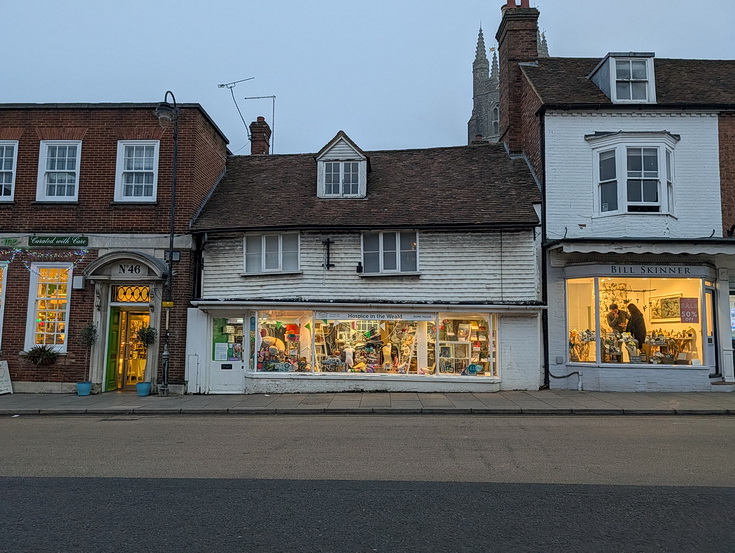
(458, 266)
(570, 184)
(520, 354)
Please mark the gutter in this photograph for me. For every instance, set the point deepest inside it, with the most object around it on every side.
(327, 305)
(686, 106)
(367, 228)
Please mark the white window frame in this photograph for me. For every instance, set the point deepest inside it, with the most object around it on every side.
(399, 270)
(41, 194)
(323, 165)
(13, 169)
(649, 80)
(3, 289)
(120, 171)
(619, 143)
(264, 240)
(33, 298)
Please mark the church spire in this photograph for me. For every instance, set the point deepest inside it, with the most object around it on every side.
(494, 77)
(480, 55)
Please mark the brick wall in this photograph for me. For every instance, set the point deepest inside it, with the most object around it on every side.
(201, 159)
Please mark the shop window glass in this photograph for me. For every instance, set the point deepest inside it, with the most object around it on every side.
(49, 307)
(283, 341)
(467, 345)
(227, 339)
(642, 320)
(581, 320)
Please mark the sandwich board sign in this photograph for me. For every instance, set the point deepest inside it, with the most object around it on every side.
(6, 387)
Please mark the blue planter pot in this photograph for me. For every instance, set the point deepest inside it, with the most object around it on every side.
(143, 388)
(84, 388)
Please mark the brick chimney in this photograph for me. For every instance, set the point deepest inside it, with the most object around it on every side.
(260, 140)
(517, 42)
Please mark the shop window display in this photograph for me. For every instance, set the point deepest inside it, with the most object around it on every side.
(641, 320)
(464, 345)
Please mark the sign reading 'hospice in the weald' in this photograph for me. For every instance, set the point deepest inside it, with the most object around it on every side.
(58, 241)
(6, 387)
(689, 310)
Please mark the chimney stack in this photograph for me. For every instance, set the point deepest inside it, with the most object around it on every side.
(260, 137)
(517, 43)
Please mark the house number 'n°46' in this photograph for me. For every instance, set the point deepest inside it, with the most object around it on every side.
(123, 269)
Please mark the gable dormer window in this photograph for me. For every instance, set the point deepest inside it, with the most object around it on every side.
(341, 169)
(627, 78)
(341, 178)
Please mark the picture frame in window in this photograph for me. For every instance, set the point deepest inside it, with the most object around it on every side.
(665, 309)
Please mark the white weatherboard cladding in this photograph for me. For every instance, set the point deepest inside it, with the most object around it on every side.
(462, 267)
(570, 186)
(341, 150)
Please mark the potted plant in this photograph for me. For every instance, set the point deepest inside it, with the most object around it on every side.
(87, 336)
(42, 354)
(147, 336)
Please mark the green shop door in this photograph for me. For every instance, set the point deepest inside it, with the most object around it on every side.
(126, 354)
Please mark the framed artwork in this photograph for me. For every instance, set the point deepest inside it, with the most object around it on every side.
(665, 309)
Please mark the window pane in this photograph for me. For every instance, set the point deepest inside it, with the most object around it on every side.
(622, 90)
(272, 253)
(638, 69)
(622, 69)
(638, 90)
(634, 191)
(650, 191)
(371, 262)
(290, 252)
(635, 162)
(607, 165)
(253, 255)
(650, 162)
(609, 196)
(581, 319)
(371, 242)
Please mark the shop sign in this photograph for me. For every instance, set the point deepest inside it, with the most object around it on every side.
(58, 241)
(689, 310)
(9, 241)
(375, 316)
(644, 271)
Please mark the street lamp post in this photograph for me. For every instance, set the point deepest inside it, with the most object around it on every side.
(167, 114)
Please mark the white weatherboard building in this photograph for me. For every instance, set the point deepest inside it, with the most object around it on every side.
(411, 270)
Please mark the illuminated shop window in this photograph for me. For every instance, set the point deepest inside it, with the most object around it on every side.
(641, 320)
(227, 340)
(408, 344)
(49, 305)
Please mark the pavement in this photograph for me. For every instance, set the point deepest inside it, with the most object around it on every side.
(542, 402)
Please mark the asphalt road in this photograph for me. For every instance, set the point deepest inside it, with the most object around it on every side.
(361, 483)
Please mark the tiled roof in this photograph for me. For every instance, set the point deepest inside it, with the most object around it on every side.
(476, 186)
(564, 81)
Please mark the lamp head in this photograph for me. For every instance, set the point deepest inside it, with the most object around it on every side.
(165, 112)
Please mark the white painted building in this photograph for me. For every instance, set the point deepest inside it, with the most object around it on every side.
(410, 270)
(637, 268)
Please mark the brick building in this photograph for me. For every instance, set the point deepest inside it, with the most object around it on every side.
(85, 201)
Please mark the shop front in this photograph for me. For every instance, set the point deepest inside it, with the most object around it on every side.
(643, 327)
(307, 350)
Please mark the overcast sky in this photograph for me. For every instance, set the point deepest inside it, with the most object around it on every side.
(390, 73)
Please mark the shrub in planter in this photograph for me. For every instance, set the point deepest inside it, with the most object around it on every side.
(42, 354)
(147, 335)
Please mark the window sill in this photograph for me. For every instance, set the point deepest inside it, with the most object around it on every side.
(633, 213)
(389, 275)
(56, 203)
(283, 273)
(118, 203)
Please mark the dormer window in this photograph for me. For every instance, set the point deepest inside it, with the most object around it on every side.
(626, 78)
(631, 81)
(341, 169)
(341, 178)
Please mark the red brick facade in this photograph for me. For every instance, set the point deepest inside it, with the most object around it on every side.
(202, 153)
